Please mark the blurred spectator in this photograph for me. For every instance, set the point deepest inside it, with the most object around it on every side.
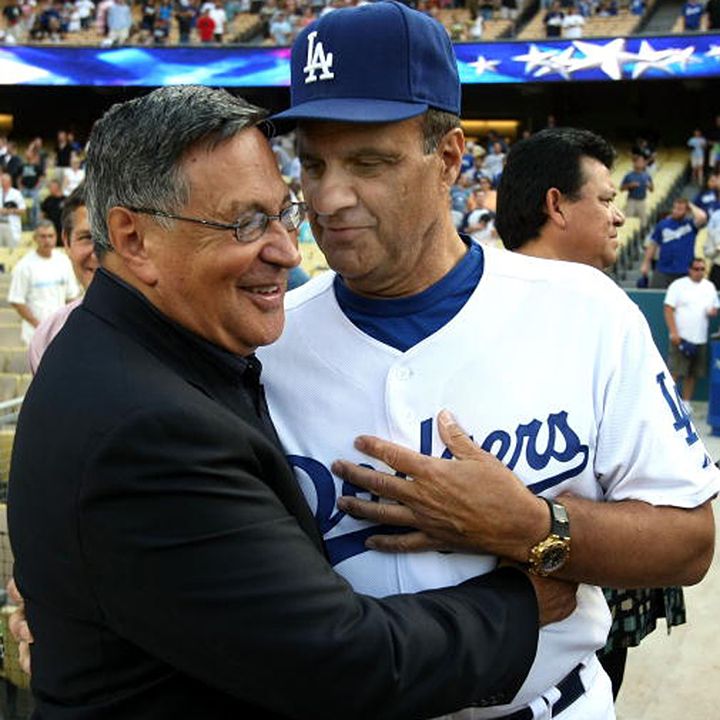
(73, 175)
(217, 13)
(553, 20)
(494, 161)
(460, 193)
(281, 29)
(308, 16)
(457, 29)
(12, 163)
(480, 226)
(86, 10)
(487, 9)
(147, 21)
(637, 183)
(573, 22)
(489, 194)
(637, 7)
(712, 248)
(674, 238)
(708, 199)
(78, 244)
(63, 150)
(643, 147)
(697, 144)
(509, 9)
(206, 26)
(692, 12)
(714, 158)
(74, 25)
(475, 31)
(46, 23)
(12, 207)
(713, 12)
(607, 8)
(52, 205)
(119, 22)
(689, 304)
(31, 175)
(12, 13)
(184, 15)
(42, 282)
(468, 157)
(101, 18)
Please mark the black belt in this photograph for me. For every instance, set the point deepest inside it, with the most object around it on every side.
(570, 687)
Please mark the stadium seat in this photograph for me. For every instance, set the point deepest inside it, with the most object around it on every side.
(10, 335)
(8, 386)
(15, 360)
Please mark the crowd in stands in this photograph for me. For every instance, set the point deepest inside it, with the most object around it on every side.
(277, 22)
(42, 178)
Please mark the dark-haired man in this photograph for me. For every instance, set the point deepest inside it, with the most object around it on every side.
(558, 199)
(577, 237)
(416, 319)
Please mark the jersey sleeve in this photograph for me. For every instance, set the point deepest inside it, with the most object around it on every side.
(648, 448)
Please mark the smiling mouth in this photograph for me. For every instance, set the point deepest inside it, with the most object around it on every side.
(263, 289)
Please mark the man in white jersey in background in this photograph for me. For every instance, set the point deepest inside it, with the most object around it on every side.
(418, 319)
(574, 163)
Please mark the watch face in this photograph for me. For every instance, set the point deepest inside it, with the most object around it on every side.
(554, 557)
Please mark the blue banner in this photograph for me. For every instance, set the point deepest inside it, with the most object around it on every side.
(657, 58)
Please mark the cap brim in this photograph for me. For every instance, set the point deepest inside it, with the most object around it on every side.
(355, 110)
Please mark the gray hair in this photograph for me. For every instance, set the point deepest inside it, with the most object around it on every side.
(135, 151)
(44, 223)
(436, 124)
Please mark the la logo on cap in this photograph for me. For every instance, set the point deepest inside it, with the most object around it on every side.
(317, 60)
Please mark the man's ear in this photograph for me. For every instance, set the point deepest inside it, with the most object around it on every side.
(554, 202)
(450, 151)
(126, 231)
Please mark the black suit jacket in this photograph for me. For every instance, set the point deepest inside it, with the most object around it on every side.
(172, 569)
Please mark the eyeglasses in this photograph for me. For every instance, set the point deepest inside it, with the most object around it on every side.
(698, 267)
(248, 228)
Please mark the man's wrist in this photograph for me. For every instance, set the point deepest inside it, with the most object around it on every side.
(536, 529)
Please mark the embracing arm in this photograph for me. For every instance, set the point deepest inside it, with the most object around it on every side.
(475, 503)
(189, 549)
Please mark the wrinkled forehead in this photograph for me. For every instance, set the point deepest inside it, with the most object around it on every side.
(318, 135)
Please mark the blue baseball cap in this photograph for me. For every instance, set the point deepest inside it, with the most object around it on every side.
(375, 63)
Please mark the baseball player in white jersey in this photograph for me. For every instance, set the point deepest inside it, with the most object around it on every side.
(547, 365)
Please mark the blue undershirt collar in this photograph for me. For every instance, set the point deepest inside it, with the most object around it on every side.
(403, 322)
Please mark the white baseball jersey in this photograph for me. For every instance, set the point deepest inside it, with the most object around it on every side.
(549, 366)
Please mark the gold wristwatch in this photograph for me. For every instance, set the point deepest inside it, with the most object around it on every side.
(552, 553)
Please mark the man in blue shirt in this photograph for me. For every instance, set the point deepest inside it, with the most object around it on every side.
(709, 198)
(637, 183)
(675, 236)
(692, 13)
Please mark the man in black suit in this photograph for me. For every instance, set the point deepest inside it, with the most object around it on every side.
(169, 563)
